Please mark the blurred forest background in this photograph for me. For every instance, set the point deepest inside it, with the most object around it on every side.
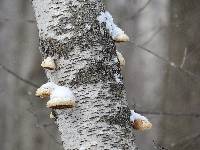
(163, 83)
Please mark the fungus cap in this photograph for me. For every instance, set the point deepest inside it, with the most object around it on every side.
(48, 63)
(42, 92)
(121, 38)
(139, 124)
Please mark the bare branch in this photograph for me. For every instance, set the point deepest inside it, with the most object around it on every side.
(186, 139)
(196, 115)
(141, 9)
(18, 77)
(18, 20)
(184, 58)
(170, 63)
(43, 126)
(152, 36)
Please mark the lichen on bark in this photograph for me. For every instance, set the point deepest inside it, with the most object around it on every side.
(84, 53)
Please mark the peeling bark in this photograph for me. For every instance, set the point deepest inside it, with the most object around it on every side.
(85, 56)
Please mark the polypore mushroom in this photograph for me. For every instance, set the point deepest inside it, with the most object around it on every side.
(48, 63)
(121, 59)
(117, 34)
(60, 96)
(139, 122)
(43, 91)
(122, 37)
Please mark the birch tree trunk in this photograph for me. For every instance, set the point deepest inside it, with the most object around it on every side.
(84, 53)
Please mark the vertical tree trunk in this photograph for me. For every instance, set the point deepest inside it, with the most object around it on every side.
(84, 53)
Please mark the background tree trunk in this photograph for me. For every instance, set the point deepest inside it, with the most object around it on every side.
(84, 53)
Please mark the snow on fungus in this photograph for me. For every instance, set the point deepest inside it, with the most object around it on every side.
(139, 122)
(48, 63)
(117, 34)
(122, 61)
(60, 96)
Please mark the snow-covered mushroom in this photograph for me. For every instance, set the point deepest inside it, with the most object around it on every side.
(48, 63)
(139, 122)
(60, 96)
(117, 34)
(122, 61)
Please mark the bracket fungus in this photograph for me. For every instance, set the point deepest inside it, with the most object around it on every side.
(61, 97)
(122, 61)
(48, 63)
(121, 38)
(139, 122)
(117, 34)
(43, 92)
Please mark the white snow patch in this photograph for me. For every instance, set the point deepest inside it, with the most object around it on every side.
(110, 25)
(135, 116)
(117, 78)
(115, 60)
(58, 91)
(82, 148)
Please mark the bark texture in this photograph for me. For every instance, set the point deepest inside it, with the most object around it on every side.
(85, 55)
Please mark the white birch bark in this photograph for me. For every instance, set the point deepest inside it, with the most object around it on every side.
(86, 57)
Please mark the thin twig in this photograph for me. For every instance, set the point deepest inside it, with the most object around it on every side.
(152, 36)
(170, 63)
(18, 20)
(141, 9)
(43, 126)
(185, 139)
(18, 77)
(184, 58)
(169, 114)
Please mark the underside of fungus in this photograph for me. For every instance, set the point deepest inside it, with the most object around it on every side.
(48, 63)
(60, 97)
(61, 103)
(139, 122)
(121, 38)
